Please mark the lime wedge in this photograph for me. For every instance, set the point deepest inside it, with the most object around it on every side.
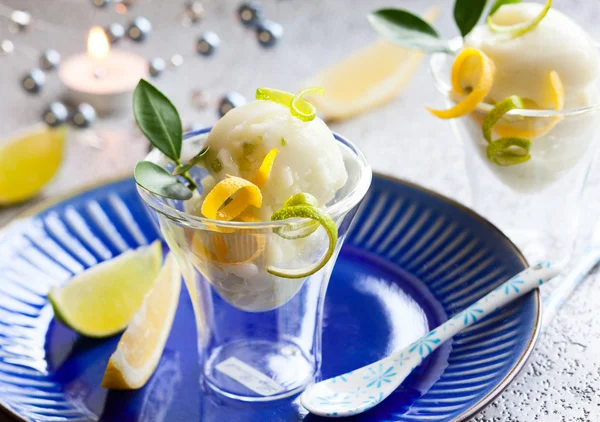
(101, 301)
(317, 215)
(28, 162)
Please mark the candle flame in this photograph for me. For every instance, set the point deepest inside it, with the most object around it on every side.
(97, 44)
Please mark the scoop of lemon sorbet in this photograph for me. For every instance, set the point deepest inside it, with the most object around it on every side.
(309, 158)
(523, 63)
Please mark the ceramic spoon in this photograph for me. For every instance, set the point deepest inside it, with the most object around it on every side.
(359, 390)
(571, 280)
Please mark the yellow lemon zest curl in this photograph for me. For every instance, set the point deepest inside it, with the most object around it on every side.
(480, 90)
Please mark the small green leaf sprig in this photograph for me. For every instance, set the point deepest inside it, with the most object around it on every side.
(408, 30)
(159, 121)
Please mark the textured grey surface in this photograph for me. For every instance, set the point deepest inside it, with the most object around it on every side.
(561, 382)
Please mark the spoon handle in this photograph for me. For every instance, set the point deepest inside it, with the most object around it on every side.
(569, 282)
(520, 284)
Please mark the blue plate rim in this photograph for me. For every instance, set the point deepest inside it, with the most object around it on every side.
(35, 209)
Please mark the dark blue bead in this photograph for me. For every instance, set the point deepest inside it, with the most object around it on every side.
(268, 33)
(33, 81)
(84, 115)
(139, 29)
(250, 13)
(56, 114)
(207, 43)
(229, 101)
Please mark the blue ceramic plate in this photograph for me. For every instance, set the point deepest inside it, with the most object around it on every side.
(412, 260)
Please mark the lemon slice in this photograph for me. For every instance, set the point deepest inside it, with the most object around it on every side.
(101, 301)
(368, 78)
(28, 162)
(142, 344)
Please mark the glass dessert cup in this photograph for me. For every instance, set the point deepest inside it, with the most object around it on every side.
(536, 203)
(259, 335)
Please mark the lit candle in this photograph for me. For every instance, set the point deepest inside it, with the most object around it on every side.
(103, 78)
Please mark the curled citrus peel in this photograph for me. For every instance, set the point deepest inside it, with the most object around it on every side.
(243, 254)
(275, 95)
(238, 207)
(499, 110)
(225, 189)
(480, 89)
(263, 172)
(509, 151)
(317, 215)
(301, 108)
(299, 231)
(506, 151)
(555, 94)
(521, 28)
(298, 106)
(242, 200)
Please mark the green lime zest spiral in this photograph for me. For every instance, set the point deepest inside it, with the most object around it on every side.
(301, 108)
(506, 151)
(522, 28)
(509, 151)
(298, 106)
(275, 95)
(302, 230)
(496, 113)
(305, 209)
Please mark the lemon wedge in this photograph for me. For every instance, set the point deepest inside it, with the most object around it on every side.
(101, 301)
(142, 344)
(28, 162)
(367, 79)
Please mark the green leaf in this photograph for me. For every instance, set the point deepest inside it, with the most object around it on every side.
(157, 180)
(158, 119)
(467, 14)
(185, 167)
(407, 30)
(500, 3)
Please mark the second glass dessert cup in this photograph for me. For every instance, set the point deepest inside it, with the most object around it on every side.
(259, 335)
(536, 203)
